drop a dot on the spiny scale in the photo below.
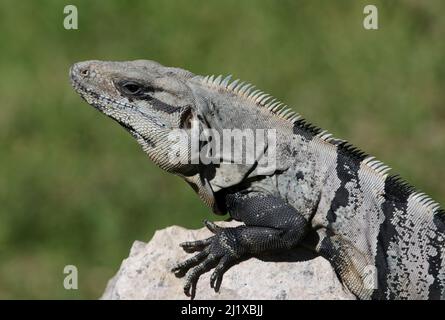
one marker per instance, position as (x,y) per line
(281,110)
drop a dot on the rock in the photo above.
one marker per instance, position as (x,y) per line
(145,274)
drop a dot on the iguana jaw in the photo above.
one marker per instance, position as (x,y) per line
(102,103)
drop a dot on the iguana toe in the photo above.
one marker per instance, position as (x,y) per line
(219,251)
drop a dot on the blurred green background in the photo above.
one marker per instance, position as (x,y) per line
(75,188)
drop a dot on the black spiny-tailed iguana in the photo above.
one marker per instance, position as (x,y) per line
(368,224)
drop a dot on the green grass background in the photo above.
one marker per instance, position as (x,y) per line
(76,189)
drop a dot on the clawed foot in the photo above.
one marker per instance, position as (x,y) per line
(219,251)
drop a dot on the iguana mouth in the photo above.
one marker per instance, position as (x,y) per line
(101,101)
(85,92)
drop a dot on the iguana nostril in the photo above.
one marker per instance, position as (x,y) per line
(84,72)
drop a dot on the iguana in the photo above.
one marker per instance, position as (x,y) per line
(384,239)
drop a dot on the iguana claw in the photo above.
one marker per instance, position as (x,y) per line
(219,252)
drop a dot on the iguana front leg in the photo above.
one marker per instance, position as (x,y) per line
(270,225)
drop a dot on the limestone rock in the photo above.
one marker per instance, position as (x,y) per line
(145,274)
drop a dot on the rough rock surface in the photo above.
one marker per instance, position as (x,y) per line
(145,274)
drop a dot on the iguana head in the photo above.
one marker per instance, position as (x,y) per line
(146,98)
(152,101)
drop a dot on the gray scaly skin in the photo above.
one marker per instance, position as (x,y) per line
(383,239)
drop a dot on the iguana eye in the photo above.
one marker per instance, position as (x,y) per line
(131,88)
